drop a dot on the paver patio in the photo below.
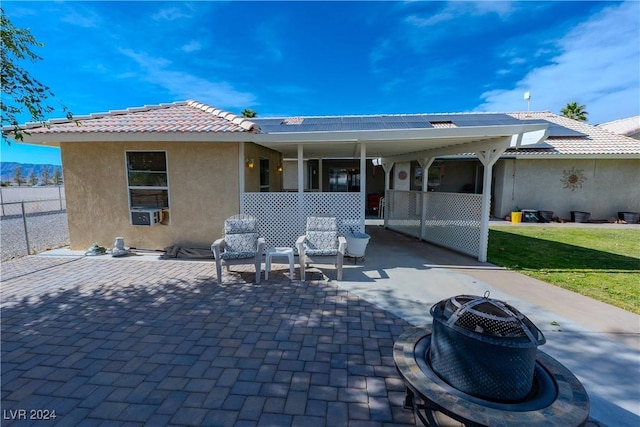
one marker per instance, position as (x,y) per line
(128,342)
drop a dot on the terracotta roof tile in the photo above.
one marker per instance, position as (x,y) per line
(628,126)
(186,116)
(597,140)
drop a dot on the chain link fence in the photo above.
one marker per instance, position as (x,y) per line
(31,226)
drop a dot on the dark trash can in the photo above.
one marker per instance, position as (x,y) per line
(629,217)
(579,216)
(545,216)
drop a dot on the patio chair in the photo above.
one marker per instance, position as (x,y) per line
(240,245)
(321,241)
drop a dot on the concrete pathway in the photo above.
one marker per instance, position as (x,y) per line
(599,343)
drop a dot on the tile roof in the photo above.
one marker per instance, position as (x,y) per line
(628,126)
(596,141)
(186,116)
(566,136)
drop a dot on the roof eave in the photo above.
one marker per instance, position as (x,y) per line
(55,139)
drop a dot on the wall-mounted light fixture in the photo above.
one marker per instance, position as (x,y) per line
(280,167)
(249,163)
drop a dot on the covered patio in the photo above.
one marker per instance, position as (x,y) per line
(453,220)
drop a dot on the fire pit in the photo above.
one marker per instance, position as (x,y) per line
(479,365)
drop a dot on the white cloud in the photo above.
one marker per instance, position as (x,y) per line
(84,18)
(169,14)
(598,65)
(192,46)
(184,85)
(266,37)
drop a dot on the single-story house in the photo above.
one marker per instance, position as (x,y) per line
(171,173)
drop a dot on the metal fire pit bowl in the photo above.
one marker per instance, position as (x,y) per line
(557,398)
(484,347)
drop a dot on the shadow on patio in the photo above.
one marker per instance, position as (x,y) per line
(162,343)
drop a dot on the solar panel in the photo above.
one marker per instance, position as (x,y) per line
(556,130)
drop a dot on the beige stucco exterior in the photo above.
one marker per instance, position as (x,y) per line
(604,187)
(203,191)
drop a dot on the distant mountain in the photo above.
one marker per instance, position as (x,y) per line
(7,169)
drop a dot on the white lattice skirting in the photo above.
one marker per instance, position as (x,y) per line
(451,220)
(282,216)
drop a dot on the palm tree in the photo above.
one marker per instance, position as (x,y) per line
(249,113)
(575,111)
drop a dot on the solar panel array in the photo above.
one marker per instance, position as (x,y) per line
(400,121)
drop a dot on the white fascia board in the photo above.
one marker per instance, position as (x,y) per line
(54,139)
(396,134)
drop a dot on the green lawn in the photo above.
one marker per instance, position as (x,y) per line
(601,263)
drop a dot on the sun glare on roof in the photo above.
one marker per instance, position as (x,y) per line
(292,121)
(444,124)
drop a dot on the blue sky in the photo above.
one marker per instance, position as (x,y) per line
(332,58)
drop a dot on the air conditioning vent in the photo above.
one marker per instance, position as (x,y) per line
(146,217)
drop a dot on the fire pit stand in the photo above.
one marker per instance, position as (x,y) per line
(557,398)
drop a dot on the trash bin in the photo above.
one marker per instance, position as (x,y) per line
(579,216)
(516,217)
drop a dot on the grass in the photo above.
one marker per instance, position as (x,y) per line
(600,263)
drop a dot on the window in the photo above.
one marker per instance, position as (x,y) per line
(147,179)
(264,175)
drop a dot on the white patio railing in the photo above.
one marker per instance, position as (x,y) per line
(282,216)
(451,220)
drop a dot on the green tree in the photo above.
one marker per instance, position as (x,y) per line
(33,179)
(45,176)
(18,178)
(57,176)
(249,113)
(24,93)
(575,111)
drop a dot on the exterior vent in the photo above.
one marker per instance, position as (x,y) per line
(147,217)
(444,124)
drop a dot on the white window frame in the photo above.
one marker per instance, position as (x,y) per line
(140,187)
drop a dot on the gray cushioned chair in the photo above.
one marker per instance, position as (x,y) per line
(241,244)
(321,242)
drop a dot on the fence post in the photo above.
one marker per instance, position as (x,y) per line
(26,233)
(60,197)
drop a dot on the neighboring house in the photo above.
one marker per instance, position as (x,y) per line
(188,166)
(629,127)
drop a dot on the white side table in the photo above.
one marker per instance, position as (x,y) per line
(279,252)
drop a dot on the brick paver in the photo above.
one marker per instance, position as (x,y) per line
(125,341)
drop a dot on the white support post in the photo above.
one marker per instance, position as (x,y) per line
(387,167)
(488,158)
(425,164)
(241,179)
(363,184)
(300,181)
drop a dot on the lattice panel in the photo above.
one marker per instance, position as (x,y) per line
(344,206)
(282,216)
(404,212)
(453,220)
(278,218)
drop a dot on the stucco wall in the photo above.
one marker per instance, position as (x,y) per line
(603,187)
(252,176)
(203,191)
